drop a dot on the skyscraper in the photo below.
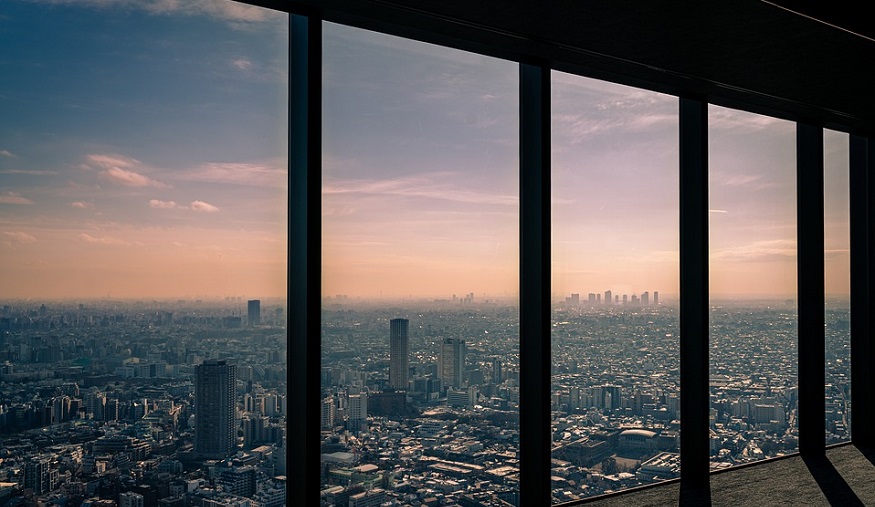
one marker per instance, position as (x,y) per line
(452,362)
(358,412)
(253,313)
(399,353)
(608,297)
(215,405)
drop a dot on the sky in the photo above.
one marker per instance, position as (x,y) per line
(143,154)
(420,182)
(143,149)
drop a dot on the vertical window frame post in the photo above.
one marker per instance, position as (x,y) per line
(305,253)
(535,358)
(861,182)
(694,374)
(810,290)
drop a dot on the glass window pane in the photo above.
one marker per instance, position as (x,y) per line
(615,383)
(143,239)
(837,245)
(753,339)
(420,327)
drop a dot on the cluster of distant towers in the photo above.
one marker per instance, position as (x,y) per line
(596,299)
(451,365)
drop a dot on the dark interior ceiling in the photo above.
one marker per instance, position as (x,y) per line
(749,54)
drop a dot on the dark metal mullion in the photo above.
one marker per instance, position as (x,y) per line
(810,289)
(861,167)
(535,357)
(695,399)
(305,254)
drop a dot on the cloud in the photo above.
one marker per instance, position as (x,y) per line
(131,178)
(82,204)
(108,161)
(759,251)
(418,186)
(7,153)
(103,240)
(203,206)
(14,198)
(741,180)
(242,63)
(31,173)
(118,169)
(237,14)
(20,237)
(156,203)
(241,174)
(723,118)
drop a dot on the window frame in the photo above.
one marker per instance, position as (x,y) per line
(305,253)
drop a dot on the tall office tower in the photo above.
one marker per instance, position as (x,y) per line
(215,433)
(95,402)
(608,297)
(130,499)
(496,371)
(452,362)
(253,313)
(645,298)
(399,354)
(625,298)
(656,297)
(328,412)
(358,412)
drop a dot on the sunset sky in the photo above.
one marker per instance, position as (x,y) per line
(421,193)
(143,154)
(143,149)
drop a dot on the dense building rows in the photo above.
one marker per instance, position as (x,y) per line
(615,397)
(98,403)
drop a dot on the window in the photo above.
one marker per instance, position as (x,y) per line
(143,238)
(838,291)
(753,252)
(420,323)
(615,384)
(754,386)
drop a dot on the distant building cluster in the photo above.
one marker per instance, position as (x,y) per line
(594,298)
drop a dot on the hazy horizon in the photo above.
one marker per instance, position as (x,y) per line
(143,156)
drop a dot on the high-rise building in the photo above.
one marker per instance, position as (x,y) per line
(608,297)
(130,499)
(253,313)
(656,297)
(399,353)
(452,362)
(37,477)
(496,371)
(358,412)
(215,405)
(645,298)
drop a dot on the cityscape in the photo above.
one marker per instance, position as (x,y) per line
(153,403)
(421,399)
